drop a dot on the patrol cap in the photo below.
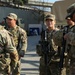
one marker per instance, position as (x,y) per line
(71,10)
(68,18)
(50,16)
(12,16)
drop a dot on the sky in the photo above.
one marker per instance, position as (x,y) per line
(52,1)
(47,9)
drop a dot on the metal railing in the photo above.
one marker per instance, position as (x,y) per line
(42,4)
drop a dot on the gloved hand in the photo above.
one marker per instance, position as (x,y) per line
(21,53)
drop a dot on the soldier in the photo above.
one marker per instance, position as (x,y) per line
(53,60)
(71,14)
(20,39)
(69,37)
(8,52)
(68,60)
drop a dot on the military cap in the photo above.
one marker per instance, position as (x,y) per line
(68,18)
(71,10)
(50,16)
(12,16)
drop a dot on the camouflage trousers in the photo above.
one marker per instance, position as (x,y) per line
(16,71)
(7,71)
(52,68)
(5,66)
(69,66)
(70,70)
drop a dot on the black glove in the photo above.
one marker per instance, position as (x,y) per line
(21,53)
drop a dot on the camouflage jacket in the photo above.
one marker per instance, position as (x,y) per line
(52,45)
(6,44)
(20,38)
(70,41)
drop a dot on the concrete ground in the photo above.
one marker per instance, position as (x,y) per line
(30,62)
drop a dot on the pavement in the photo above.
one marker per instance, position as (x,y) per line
(30,62)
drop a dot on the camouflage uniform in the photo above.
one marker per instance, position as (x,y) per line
(69,49)
(20,39)
(53,61)
(71,14)
(49,61)
(8,52)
